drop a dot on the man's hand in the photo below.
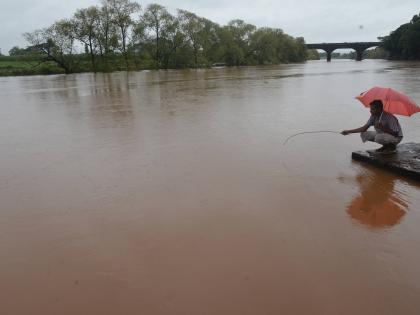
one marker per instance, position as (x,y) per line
(345,132)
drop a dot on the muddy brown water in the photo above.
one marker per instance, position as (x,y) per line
(171,192)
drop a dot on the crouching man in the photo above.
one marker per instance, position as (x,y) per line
(387,128)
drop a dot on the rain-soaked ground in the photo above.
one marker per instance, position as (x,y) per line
(171,192)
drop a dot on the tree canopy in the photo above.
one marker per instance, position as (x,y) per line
(404,42)
(119,35)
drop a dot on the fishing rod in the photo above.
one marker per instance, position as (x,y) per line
(320,131)
(304,132)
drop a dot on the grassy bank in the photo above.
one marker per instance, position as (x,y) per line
(14,66)
(30,65)
(35,64)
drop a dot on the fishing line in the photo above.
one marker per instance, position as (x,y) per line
(288,170)
(301,133)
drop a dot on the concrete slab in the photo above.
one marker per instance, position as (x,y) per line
(405,161)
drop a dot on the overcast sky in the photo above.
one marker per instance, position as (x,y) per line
(315,20)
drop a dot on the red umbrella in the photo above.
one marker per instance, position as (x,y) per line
(394,101)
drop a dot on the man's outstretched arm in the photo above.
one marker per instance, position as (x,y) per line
(357,130)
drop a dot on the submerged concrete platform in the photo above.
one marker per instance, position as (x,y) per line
(405,161)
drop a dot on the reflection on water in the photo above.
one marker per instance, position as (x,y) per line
(377,205)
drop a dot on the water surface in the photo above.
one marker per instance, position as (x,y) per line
(171,192)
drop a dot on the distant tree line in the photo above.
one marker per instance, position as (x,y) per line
(404,42)
(119,35)
(376,53)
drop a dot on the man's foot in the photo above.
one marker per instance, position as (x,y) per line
(392,147)
(383,148)
(387,148)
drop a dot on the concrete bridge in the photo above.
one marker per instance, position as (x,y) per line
(359,47)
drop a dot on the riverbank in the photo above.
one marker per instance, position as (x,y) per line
(20,68)
(36,65)
(25,66)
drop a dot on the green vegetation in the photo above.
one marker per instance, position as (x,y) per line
(313,54)
(118,35)
(22,65)
(377,53)
(404,42)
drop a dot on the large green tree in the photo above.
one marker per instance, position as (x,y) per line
(86,30)
(404,42)
(107,33)
(193,27)
(157,19)
(122,11)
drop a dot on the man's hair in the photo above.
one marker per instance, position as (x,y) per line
(377,104)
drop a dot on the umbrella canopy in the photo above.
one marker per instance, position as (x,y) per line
(394,102)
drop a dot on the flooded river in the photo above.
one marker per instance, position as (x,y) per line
(171,192)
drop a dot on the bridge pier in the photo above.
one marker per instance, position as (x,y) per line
(329,54)
(359,54)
